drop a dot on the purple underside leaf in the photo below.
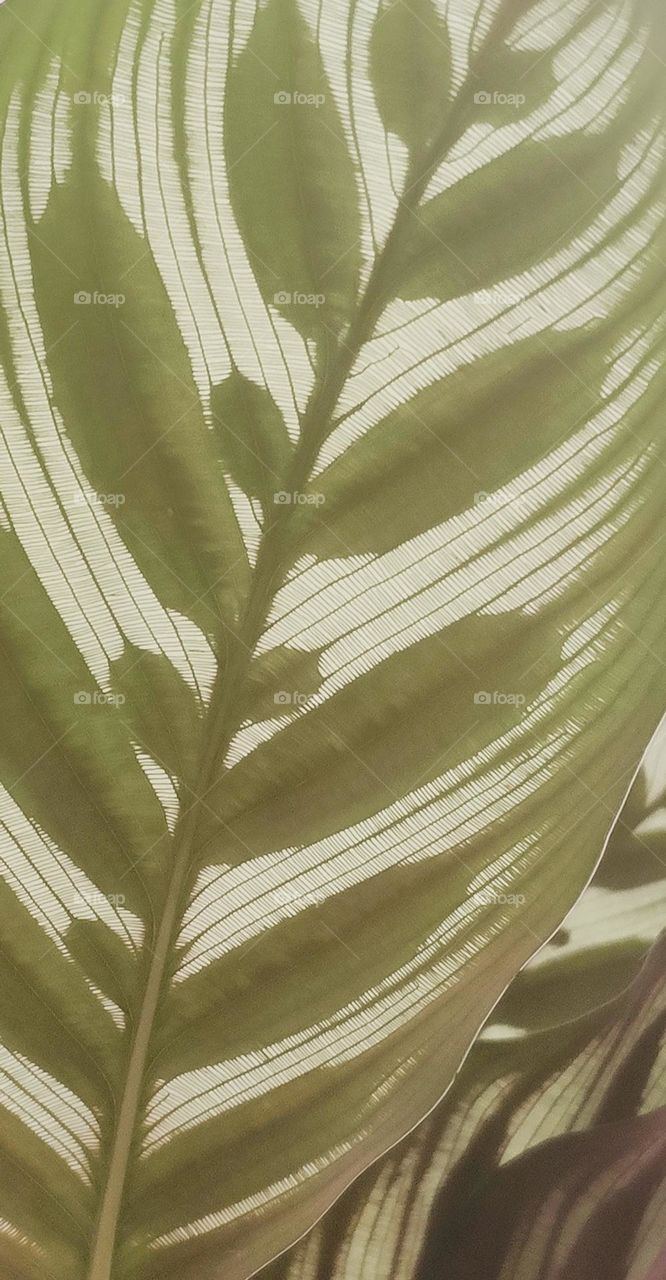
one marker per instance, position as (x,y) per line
(571,1209)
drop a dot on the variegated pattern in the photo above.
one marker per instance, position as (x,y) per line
(332,472)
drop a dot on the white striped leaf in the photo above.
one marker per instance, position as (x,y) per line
(331,524)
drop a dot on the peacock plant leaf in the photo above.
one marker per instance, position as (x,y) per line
(331,480)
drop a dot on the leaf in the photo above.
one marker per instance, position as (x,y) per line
(330,631)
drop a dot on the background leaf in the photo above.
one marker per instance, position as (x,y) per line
(494,1181)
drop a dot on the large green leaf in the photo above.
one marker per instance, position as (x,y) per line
(332,475)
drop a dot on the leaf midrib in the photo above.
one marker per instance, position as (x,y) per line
(273,557)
